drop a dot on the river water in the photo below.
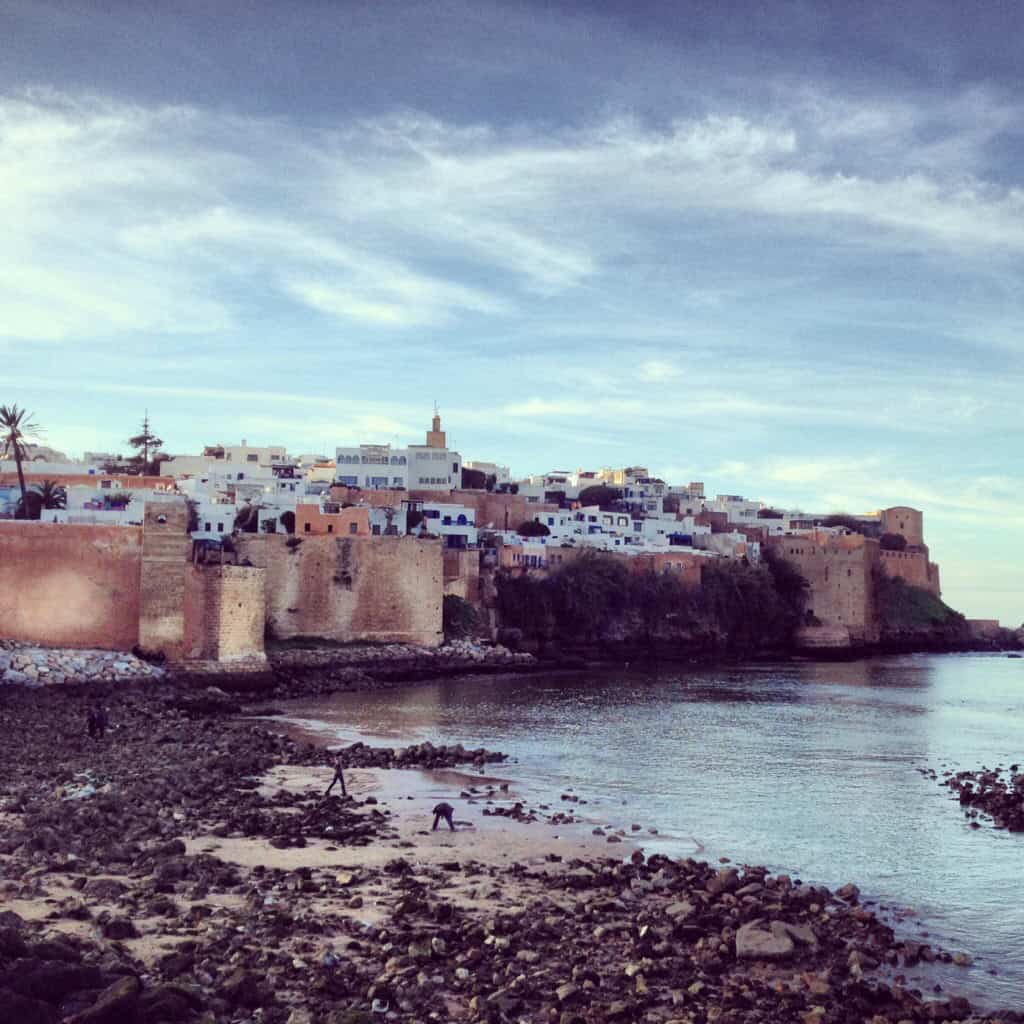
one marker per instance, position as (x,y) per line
(804,767)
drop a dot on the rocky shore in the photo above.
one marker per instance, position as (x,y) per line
(187,868)
(996,793)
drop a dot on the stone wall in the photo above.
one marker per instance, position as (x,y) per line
(838,569)
(350,588)
(70,586)
(913,567)
(24,665)
(499,511)
(462,574)
(166,547)
(225,613)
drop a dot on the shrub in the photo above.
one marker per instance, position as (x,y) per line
(473,479)
(460,617)
(600,494)
(532,528)
(893,542)
(287,520)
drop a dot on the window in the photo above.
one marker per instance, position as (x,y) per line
(455,467)
(330,527)
(375,529)
(353,527)
(397,481)
(209,527)
(252,458)
(305,527)
(106,484)
(220,527)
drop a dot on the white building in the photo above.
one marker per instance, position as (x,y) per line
(372,467)
(419,467)
(456,524)
(501,474)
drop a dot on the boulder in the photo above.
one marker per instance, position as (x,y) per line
(116,1004)
(756,942)
(24,1010)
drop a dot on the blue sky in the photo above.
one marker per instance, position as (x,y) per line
(777,248)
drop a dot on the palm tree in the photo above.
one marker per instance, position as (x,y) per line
(50,495)
(15,424)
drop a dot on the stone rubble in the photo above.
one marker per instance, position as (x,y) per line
(23,665)
(639,939)
(997,793)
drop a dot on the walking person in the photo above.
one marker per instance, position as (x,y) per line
(338,777)
(96,721)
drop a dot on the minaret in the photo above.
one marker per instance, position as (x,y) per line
(436,437)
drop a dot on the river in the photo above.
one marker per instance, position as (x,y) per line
(805,767)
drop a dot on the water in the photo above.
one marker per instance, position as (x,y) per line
(807,768)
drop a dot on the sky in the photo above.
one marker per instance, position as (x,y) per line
(778,248)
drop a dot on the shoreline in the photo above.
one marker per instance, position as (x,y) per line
(215,837)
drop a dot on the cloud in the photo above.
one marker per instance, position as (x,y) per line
(121,217)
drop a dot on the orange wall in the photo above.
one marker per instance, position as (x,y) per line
(124,480)
(70,586)
(339,523)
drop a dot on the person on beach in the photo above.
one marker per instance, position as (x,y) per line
(338,777)
(444,810)
(96,722)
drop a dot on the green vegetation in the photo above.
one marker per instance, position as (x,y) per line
(48,494)
(145,443)
(287,520)
(15,425)
(532,528)
(596,597)
(892,542)
(460,618)
(600,494)
(902,607)
(473,479)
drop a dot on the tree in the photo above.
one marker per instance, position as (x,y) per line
(459,617)
(15,425)
(247,519)
(769,513)
(532,528)
(287,520)
(473,479)
(600,494)
(491,481)
(48,494)
(144,443)
(893,542)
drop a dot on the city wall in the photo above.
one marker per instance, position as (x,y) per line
(224,613)
(385,589)
(70,586)
(838,569)
(913,567)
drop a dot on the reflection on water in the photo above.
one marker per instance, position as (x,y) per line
(805,767)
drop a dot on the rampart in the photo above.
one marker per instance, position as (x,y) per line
(838,569)
(70,586)
(913,567)
(385,589)
(225,609)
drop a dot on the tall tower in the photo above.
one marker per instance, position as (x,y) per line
(436,437)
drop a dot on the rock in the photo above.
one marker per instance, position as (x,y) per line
(567,992)
(242,988)
(680,910)
(119,928)
(726,880)
(849,892)
(168,1003)
(18,1009)
(12,945)
(104,888)
(115,1005)
(754,942)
